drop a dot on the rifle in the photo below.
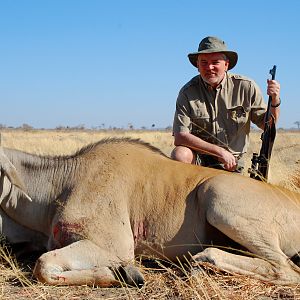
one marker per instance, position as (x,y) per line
(260,163)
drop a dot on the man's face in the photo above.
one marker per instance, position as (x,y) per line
(212,67)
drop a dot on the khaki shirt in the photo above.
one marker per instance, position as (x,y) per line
(220,116)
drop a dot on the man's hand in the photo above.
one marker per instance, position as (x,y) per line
(273,90)
(229,161)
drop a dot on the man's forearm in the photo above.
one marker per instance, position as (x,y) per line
(188,140)
(275,111)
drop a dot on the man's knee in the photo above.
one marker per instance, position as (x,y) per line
(183,154)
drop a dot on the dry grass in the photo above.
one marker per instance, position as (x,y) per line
(162,282)
(53,142)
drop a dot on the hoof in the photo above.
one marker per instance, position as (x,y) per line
(296,259)
(131,276)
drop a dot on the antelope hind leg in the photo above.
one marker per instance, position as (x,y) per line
(251,266)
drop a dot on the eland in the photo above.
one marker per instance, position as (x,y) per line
(94,211)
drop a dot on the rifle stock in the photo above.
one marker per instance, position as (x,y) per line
(260,163)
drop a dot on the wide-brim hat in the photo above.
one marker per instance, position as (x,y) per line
(212,44)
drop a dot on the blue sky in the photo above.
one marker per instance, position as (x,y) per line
(66,63)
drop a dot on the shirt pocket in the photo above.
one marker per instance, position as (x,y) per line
(201,124)
(238,115)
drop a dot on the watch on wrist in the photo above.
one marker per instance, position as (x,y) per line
(276,105)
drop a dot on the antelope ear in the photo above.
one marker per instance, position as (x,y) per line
(11,172)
